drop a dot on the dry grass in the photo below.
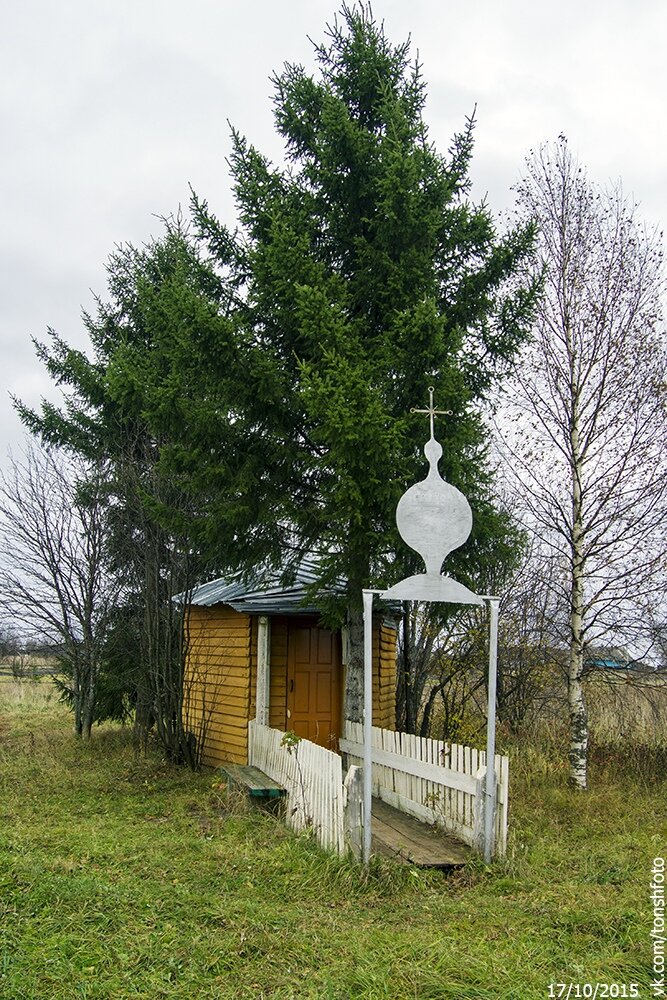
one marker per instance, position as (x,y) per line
(622,707)
(25,694)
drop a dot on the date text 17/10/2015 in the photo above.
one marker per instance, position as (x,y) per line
(592,991)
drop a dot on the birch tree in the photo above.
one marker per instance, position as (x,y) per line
(584,424)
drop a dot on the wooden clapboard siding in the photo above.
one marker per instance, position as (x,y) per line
(384,675)
(219,688)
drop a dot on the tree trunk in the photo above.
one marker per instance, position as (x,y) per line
(88,707)
(89,693)
(410,696)
(77,697)
(578,752)
(354,677)
(425,728)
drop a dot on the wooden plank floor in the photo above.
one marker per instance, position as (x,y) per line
(406,839)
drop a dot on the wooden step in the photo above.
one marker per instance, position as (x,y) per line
(257,784)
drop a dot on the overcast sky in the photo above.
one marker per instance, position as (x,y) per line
(110,109)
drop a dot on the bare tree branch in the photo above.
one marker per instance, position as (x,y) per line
(53,578)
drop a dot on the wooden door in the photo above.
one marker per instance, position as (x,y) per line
(314,683)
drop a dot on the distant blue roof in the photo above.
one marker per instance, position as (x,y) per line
(609,664)
(263,593)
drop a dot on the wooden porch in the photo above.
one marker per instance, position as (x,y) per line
(395,834)
(429,797)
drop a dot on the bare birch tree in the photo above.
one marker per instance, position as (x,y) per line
(584,422)
(52,570)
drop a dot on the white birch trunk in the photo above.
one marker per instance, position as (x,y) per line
(578,749)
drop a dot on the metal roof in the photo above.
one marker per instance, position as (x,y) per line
(263,593)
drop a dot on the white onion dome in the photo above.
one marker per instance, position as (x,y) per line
(433,517)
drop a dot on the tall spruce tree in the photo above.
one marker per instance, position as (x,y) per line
(360,275)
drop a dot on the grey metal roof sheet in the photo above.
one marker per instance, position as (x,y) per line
(262,592)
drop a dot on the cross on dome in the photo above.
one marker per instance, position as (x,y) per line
(432,412)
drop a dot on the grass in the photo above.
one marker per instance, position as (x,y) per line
(122,876)
(623,708)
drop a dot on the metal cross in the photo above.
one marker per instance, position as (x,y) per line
(431,411)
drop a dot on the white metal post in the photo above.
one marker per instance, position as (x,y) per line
(490,803)
(368,720)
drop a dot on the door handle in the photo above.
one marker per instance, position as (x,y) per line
(291,686)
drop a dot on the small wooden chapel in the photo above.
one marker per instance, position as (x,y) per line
(255,650)
(261,663)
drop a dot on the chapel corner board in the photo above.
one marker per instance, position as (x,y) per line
(238,636)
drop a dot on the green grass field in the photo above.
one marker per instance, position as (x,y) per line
(122,876)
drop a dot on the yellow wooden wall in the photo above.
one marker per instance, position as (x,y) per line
(221,679)
(218,689)
(384,675)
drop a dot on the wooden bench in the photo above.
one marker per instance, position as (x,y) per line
(257,784)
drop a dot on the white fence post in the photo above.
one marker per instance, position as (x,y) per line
(368,719)
(263,671)
(479,812)
(353,810)
(490,804)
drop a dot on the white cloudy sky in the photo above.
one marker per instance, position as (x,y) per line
(109,109)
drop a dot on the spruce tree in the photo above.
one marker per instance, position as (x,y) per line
(256,405)
(360,274)
(126,406)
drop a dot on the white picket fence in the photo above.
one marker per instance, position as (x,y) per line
(313,777)
(434,781)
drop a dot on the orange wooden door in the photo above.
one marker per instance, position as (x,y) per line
(314,683)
